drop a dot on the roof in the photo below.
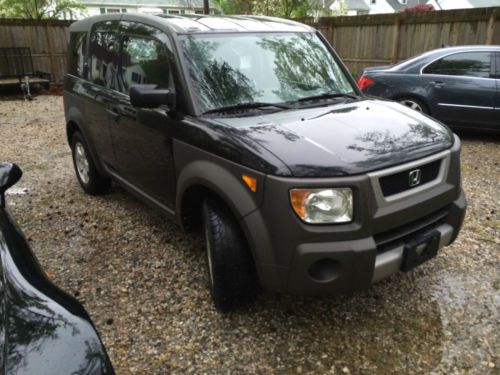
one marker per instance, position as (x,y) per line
(424,58)
(357,5)
(151,3)
(202,23)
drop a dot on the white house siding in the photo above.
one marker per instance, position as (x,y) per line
(380,6)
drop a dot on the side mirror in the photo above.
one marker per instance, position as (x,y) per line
(148,96)
(9,175)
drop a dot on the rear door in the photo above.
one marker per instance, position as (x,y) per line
(462,88)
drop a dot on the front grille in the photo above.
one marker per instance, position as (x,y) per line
(399,182)
(400,235)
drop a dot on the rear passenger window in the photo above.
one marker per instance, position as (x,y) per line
(144,61)
(76,58)
(103,51)
(471,64)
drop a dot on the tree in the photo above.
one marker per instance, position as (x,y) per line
(419,8)
(40,9)
(281,8)
(319,8)
(236,6)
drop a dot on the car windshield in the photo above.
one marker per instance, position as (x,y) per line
(231,69)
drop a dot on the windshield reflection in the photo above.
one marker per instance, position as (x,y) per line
(228,70)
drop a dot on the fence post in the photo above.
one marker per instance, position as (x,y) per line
(491,26)
(395,38)
(50,44)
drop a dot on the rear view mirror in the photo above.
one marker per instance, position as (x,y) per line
(148,96)
(9,175)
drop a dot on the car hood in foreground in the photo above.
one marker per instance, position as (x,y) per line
(344,139)
(43,330)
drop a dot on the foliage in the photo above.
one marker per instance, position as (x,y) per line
(419,8)
(281,8)
(236,6)
(318,8)
(39,9)
(284,8)
(276,8)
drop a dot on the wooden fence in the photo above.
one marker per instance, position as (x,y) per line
(361,41)
(371,40)
(48,40)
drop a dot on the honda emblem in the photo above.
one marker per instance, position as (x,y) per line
(414,177)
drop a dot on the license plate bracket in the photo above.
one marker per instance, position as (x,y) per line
(420,250)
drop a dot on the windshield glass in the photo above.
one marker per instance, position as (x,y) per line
(228,70)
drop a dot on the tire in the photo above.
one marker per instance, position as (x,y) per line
(86,172)
(231,270)
(415,104)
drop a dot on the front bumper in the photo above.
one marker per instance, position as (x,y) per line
(294,257)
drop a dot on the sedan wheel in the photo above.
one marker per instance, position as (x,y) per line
(413,104)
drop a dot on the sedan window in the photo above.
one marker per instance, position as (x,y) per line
(471,64)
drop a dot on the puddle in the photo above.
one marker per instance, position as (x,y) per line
(469,307)
(17,191)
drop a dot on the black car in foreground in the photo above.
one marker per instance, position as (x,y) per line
(459,86)
(252,129)
(43,330)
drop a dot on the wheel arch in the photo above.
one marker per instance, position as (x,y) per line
(202,178)
(75,123)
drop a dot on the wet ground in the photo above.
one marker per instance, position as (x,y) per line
(144,282)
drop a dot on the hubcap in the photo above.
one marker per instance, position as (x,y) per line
(209,257)
(413,105)
(82,163)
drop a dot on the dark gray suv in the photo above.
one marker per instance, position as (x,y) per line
(252,130)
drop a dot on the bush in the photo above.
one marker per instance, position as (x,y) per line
(419,8)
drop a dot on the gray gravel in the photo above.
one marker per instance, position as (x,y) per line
(144,283)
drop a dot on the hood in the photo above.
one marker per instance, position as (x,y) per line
(343,139)
(47,331)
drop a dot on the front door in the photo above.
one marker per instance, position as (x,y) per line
(463,88)
(496,125)
(98,90)
(142,137)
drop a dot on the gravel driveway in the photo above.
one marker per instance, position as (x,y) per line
(143,281)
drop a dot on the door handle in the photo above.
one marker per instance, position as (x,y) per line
(438,84)
(114,114)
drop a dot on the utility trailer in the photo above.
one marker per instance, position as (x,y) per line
(16,70)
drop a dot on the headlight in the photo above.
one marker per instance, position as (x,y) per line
(323,206)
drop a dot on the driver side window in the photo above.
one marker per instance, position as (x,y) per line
(144,61)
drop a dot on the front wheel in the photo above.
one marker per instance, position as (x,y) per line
(89,178)
(414,104)
(231,269)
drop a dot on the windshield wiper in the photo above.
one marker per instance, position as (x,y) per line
(327,95)
(243,106)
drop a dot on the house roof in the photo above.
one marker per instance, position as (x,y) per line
(150,3)
(357,5)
